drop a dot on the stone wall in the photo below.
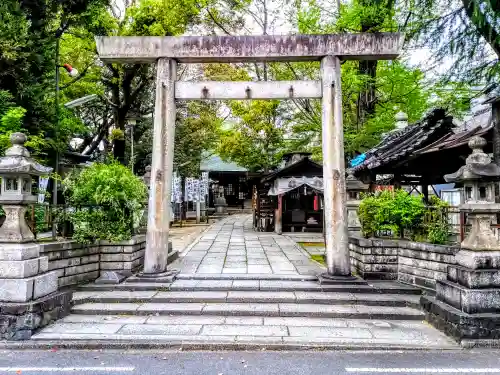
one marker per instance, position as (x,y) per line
(414,263)
(373,258)
(125,257)
(18,321)
(76,263)
(422,264)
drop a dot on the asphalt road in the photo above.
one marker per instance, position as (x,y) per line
(248,363)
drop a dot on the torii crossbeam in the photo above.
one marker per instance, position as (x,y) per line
(330,49)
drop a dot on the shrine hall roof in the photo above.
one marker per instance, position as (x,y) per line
(214,163)
(399,144)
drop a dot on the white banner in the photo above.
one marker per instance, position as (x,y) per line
(196,190)
(176,195)
(42,188)
(204,178)
(189,189)
(284,185)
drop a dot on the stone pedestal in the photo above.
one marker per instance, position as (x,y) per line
(15,229)
(24,275)
(28,291)
(18,321)
(467,303)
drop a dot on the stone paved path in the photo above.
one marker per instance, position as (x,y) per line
(231,246)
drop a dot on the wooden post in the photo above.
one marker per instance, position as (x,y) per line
(278,225)
(156,255)
(337,250)
(198,211)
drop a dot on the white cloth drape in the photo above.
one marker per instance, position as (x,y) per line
(284,185)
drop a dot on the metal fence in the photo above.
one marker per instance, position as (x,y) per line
(48,221)
(455,219)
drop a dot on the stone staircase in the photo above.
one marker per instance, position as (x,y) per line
(227,311)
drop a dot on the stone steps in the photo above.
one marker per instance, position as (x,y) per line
(230,332)
(250,309)
(245,276)
(257,285)
(241,332)
(227,312)
(326,298)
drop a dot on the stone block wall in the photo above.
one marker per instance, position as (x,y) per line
(18,321)
(422,264)
(414,263)
(125,257)
(76,263)
(373,258)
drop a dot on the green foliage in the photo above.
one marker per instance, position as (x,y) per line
(464,35)
(387,210)
(106,199)
(28,34)
(399,211)
(254,134)
(436,224)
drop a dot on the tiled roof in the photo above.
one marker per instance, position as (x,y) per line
(452,140)
(399,144)
(214,163)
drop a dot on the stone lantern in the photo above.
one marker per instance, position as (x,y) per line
(23,273)
(354,189)
(16,171)
(467,302)
(478,176)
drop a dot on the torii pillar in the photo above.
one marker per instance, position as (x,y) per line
(330,49)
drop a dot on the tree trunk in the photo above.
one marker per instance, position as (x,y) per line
(119,143)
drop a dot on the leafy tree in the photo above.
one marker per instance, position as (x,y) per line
(128,89)
(197,130)
(464,33)
(107,201)
(28,35)
(372,95)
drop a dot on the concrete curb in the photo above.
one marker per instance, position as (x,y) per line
(214,346)
(471,344)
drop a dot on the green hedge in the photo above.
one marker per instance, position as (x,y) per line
(399,212)
(106,202)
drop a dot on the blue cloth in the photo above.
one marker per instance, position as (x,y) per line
(357,160)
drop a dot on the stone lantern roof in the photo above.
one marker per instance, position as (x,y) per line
(352,183)
(478,165)
(17,159)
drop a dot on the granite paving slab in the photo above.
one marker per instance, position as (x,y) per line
(232,244)
(250,330)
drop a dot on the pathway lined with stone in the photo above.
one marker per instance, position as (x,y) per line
(244,289)
(231,246)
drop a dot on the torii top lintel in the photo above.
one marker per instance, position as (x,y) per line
(200,49)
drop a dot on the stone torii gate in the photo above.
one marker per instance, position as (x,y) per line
(166,52)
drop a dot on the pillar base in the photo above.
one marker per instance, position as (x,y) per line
(162,277)
(327,279)
(112,277)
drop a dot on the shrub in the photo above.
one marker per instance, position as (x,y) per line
(105,200)
(437,226)
(398,211)
(387,210)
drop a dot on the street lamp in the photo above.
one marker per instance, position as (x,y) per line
(73,73)
(132,118)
